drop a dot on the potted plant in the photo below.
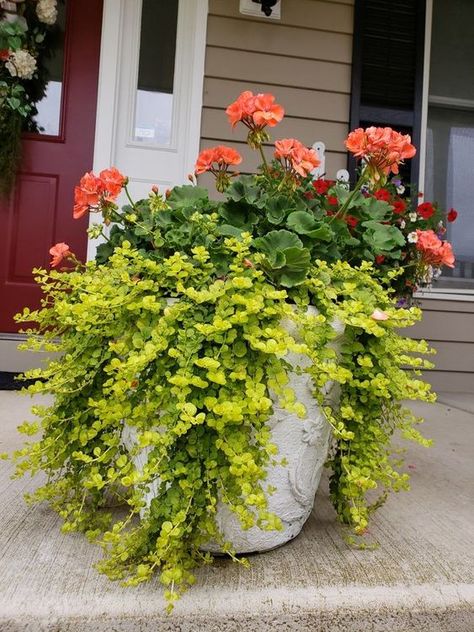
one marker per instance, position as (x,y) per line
(205,328)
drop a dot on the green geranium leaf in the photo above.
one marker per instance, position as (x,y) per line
(376,210)
(187,195)
(240,215)
(277,240)
(230,231)
(296,267)
(276,209)
(304,224)
(245,189)
(382,237)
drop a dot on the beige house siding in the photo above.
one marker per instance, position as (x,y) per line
(449,326)
(304,59)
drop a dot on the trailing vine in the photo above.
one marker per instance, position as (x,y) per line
(192,379)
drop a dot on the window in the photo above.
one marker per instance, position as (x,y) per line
(449,162)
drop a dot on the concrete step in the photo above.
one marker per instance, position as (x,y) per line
(420,579)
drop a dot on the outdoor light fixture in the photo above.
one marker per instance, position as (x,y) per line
(267,6)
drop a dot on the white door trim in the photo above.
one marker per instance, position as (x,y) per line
(192,34)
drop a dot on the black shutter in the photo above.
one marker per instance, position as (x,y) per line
(387,69)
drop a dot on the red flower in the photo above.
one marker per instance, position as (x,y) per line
(322,186)
(425,210)
(382,195)
(309,195)
(332,200)
(59,252)
(399,207)
(379,259)
(452,215)
(4,54)
(352,221)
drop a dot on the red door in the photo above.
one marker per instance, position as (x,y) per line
(38,213)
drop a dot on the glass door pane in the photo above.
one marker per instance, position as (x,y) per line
(154,98)
(49,86)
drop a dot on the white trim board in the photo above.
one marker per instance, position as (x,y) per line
(164,166)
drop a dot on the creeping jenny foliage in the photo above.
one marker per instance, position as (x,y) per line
(192,377)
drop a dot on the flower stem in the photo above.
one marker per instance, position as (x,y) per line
(342,211)
(264,160)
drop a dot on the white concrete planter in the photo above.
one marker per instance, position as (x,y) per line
(303,443)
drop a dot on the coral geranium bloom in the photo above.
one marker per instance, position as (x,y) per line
(87,194)
(434,251)
(255,111)
(381,147)
(217,159)
(295,156)
(59,252)
(205,160)
(267,112)
(242,107)
(112,181)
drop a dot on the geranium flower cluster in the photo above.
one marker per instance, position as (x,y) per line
(255,111)
(295,157)
(96,192)
(217,161)
(59,252)
(433,251)
(381,148)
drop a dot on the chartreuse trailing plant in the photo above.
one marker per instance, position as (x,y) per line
(174,350)
(192,377)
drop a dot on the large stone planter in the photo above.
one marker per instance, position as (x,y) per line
(304,443)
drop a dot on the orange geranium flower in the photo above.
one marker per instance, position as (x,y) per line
(295,157)
(59,252)
(434,251)
(112,181)
(217,161)
(255,111)
(87,194)
(382,148)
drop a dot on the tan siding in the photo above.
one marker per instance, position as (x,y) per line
(277,69)
(310,104)
(450,381)
(449,326)
(231,33)
(214,125)
(304,59)
(326,16)
(444,326)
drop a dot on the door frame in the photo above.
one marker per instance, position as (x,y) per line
(195,29)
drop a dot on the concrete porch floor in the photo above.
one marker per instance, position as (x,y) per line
(420,579)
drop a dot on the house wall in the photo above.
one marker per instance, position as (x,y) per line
(449,326)
(304,59)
